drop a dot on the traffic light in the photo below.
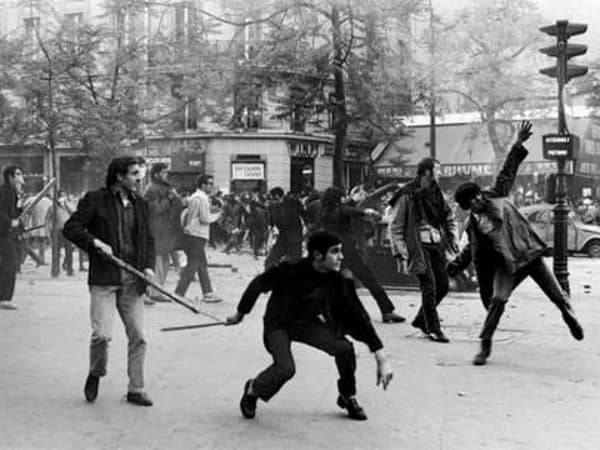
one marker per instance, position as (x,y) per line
(563,51)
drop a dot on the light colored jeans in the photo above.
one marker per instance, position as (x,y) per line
(130,306)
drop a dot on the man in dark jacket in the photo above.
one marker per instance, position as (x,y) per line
(310,303)
(505,248)
(9,239)
(422,228)
(165,207)
(339,218)
(286,213)
(114,221)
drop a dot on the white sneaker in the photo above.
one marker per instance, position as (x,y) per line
(7,305)
(211,298)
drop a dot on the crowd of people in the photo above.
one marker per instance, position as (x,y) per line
(133,230)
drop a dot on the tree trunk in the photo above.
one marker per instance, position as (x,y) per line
(499,150)
(340,115)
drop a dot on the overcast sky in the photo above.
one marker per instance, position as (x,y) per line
(582,11)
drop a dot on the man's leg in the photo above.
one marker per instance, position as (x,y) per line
(270,381)
(68,261)
(9,265)
(203,276)
(354,261)
(131,309)
(294,251)
(275,254)
(319,336)
(503,285)
(438,267)
(427,318)
(543,276)
(191,248)
(161,267)
(102,309)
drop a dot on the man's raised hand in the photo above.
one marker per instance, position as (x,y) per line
(524,131)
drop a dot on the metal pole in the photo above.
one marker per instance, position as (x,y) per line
(561,209)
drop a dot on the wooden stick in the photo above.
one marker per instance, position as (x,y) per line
(36,199)
(170,295)
(190,327)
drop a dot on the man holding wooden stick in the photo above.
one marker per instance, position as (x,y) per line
(114,221)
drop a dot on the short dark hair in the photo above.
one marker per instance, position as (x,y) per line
(119,166)
(321,241)
(276,192)
(203,179)
(426,164)
(9,171)
(465,193)
(157,168)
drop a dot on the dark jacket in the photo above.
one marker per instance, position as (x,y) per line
(291,285)
(513,241)
(339,220)
(8,208)
(165,216)
(404,226)
(96,217)
(287,216)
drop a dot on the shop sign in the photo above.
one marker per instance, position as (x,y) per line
(482,169)
(150,160)
(247,171)
(303,149)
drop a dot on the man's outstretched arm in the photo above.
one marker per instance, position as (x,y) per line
(506,178)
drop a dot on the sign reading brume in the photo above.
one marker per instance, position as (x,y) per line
(247,171)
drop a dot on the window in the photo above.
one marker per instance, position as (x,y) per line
(74,19)
(31,24)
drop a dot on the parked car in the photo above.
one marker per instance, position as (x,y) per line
(582,238)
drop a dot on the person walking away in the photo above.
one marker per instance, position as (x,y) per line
(286,214)
(195,236)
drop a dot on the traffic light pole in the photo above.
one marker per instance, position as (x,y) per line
(561,210)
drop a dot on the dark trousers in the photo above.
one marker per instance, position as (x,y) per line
(434,287)
(317,335)
(283,247)
(504,283)
(194,248)
(258,237)
(9,265)
(354,261)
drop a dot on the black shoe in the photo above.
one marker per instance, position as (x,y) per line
(573,324)
(392,317)
(139,398)
(248,402)
(438,336)
(350,404)
(91,387)
(484,353)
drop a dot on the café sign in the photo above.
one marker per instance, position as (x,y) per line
(247,171)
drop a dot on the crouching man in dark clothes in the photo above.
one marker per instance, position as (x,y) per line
(114,221)
(505,248)
(311,303)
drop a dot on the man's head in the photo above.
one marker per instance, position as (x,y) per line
(276,194)
(358,193)
(428,170)
(205,183)
(325,251)
(468,196)
(13,176)
(159,171)
(126,172)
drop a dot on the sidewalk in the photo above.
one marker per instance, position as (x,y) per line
(539,391)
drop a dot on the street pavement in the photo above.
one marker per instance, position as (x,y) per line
(539,391)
